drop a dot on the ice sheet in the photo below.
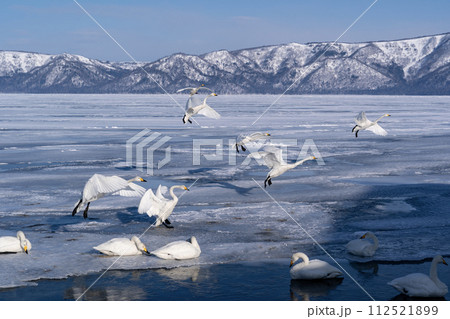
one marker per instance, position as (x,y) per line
(395,186)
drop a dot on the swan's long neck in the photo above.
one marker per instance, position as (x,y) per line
(204,101)
(303,256)
(375,240)
(376,121)
(433,271)
(194,242)
(174,197)
(130,181)
(301,162)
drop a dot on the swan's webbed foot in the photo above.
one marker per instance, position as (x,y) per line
(243,148)
(75,210)
(167,221)
(190,121)
(237,148)
(269,181)
(85,213)
(167,225)
(356,133)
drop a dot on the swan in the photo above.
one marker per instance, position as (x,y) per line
(159,206)
(273,159)
(362,123)
(244,139)
(362,246)
(312,269)
(122,247)
(193,107)
(99,185)
(421,285)
(18,244)
(179,250)
(194,90)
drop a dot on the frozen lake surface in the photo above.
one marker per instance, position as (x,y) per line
(395,186)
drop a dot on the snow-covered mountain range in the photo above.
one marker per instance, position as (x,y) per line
(410,66)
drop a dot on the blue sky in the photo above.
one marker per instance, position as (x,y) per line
(152,29)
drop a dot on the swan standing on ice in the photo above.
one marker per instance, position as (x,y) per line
(244,139)
(194,90)
(99,185)
(179,250)
(202,108)
(362,123)
(273,159)
(421,285)
(159,206)
(18,244)
(312,269)
(122,247)
(362,246)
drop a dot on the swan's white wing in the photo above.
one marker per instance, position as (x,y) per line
(148,201)
(362,120)
(181,90)
(133,190)
(209,112)
(274,155)
(99,184)
(271,160)
(193,101)
(377,129)
(160,191)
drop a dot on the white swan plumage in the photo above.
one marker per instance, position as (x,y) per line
(122,247)
(194,90)
(18,244)
(194,106)
(312,269)
(362,246)
(273,159)
(363,123)
(179,250)
(422,285)
(244,139)
(99,185)
(159,206)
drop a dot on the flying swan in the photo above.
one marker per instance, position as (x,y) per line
(194,107)
(362,246)
(179,250)
(273,159)
(159,206)
(421,285)
(362,123)
(244,139)
(18,244)
(99,185)
(312,269)
(194,90)
(122,247)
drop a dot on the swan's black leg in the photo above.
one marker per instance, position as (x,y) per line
(356,134)
(190,121)
(86,210)
(168,226)
(269,181)
(237,148)
(184,119)
(76,207)
(167,221)
(243,148)
(265,181)
(354,128)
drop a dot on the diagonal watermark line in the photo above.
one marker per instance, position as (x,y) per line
(129,55)
(118,258)
(315,241)
(307,68)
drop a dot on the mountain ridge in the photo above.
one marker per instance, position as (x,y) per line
(419,65)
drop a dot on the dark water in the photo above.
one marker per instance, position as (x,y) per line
(243,281)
